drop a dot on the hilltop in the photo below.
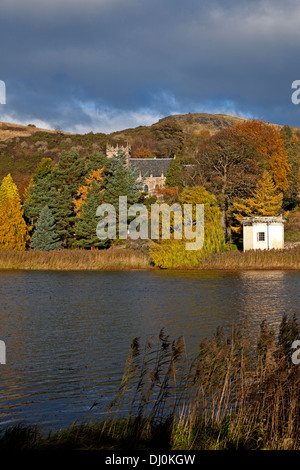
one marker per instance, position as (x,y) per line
(22,147)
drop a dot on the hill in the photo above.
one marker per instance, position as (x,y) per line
(22,147)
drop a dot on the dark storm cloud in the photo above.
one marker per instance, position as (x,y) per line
(81,63)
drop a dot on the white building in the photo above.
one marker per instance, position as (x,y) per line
(263,233)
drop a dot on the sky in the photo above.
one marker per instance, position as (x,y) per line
(107,65)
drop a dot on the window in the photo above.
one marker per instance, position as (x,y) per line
(146,188)
(261,236)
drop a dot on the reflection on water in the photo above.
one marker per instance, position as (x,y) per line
(67,334)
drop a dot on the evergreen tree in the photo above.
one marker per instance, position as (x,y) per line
(121,181)
(45,237)
(86,223)
(57,190)
(174,175)
(43,169)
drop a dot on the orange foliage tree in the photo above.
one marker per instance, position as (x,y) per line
(268,144)
(142,152)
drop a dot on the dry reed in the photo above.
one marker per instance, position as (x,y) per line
(237,393)
(113,258)
(253,259)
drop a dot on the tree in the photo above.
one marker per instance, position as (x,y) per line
(14,233)
(8,190)
(268,142)
(173,253)
(43,169)
(45,237)
(95,175)
(86,223)
(227,167)
(142,152)
(57,190)
(265,202)
(174,175)
(121,181)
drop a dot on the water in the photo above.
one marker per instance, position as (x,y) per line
(68,334)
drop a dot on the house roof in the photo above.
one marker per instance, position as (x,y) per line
(151,166)
(265,220)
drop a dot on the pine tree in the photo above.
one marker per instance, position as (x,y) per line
(13,229)
(57,190)
(45,237)
(86,223)
(95,175)
(121,182)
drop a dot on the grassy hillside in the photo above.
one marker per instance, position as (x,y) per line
(22,147)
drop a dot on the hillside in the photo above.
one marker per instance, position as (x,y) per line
(22,147)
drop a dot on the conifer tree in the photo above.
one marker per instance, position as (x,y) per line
(57,190)
(45,237)
(13,229)
(121,182)
(266,200)
(8,189)
(43,169)
(86,223)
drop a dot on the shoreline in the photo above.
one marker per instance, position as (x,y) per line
(126,259)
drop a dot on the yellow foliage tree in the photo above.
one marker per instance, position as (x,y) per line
(8,190)
(14,233)
(266,202)
(173,253)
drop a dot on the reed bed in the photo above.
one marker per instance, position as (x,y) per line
(238,393)
(253,259)
(113,258)
(122,258)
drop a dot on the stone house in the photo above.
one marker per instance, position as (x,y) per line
(263,233)
(151,171)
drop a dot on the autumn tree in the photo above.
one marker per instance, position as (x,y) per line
(170,253)
(142,152)
(266,201)
(226,167)
(8,190)
(268,142)
(14,233)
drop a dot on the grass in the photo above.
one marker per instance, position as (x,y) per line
(112,258)
(238,393)
(121,258)
(253,259)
